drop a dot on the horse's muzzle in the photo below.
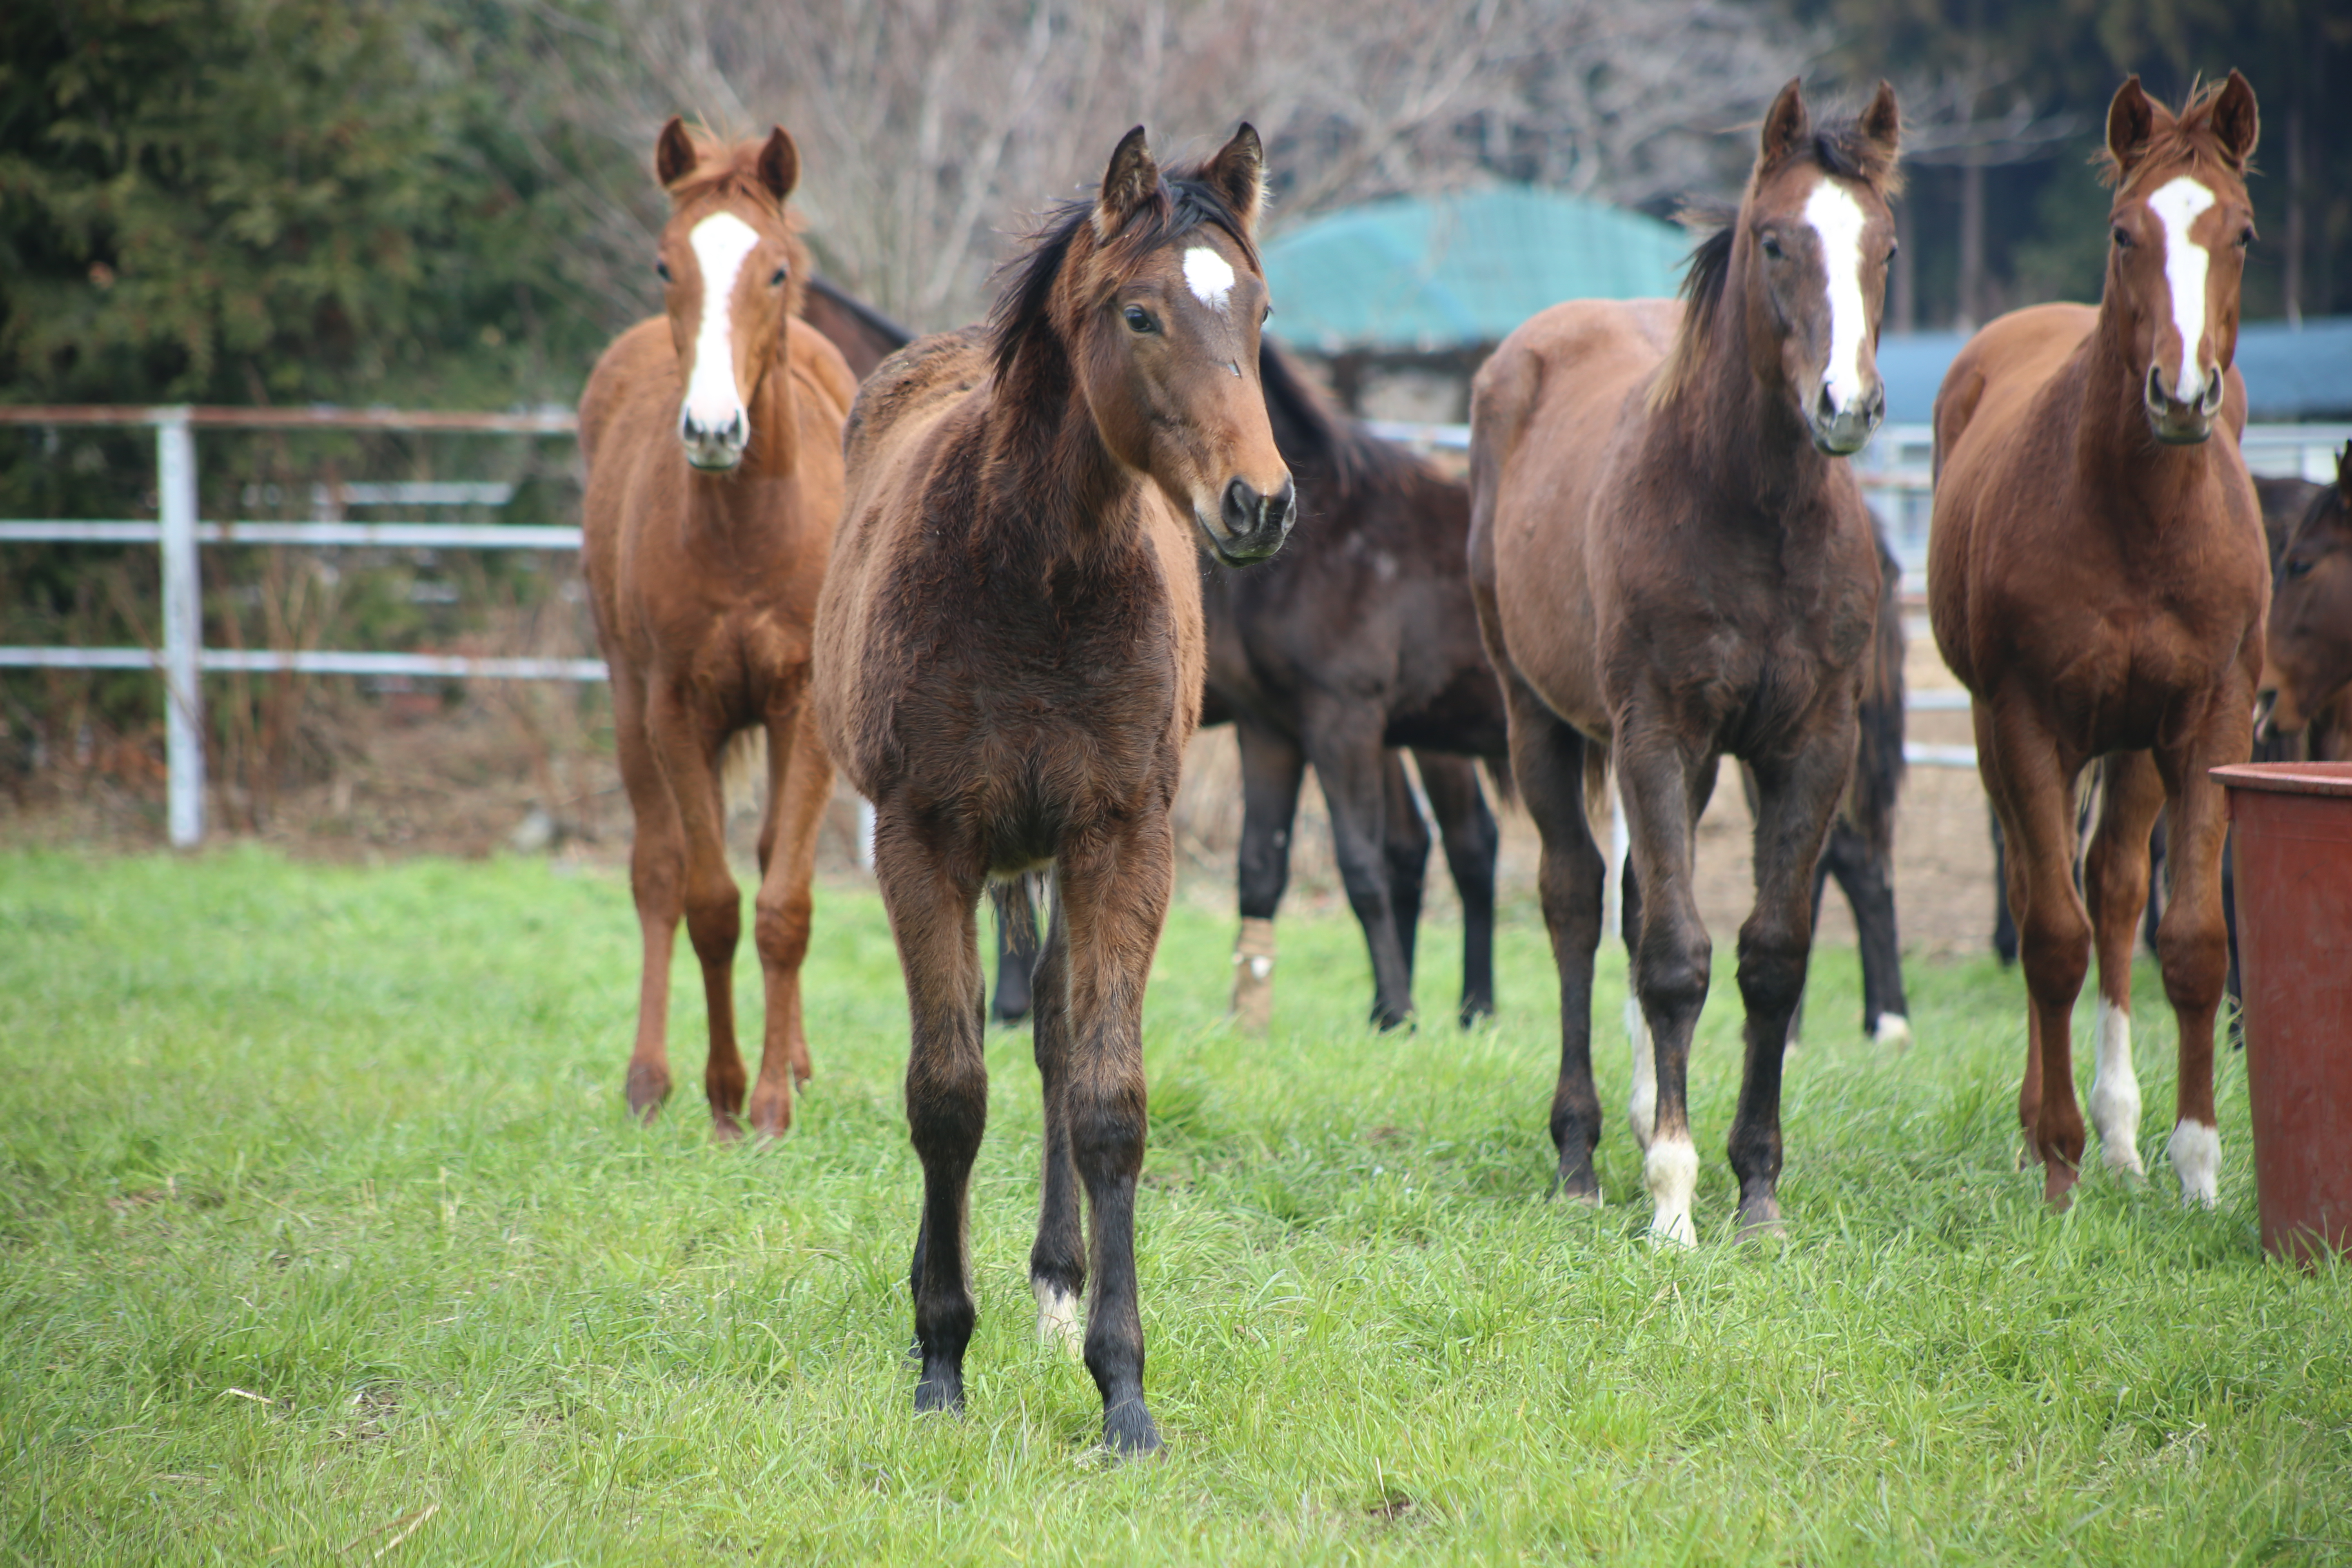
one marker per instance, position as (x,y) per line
(2178,424)
(714,450)
(1842,432)
(1250,526)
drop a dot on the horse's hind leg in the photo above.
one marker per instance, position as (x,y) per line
(934,917)
(1057,1262)
(656,881)
(688,742)
(1797,799)
(1866,876)
(1350,764)
(1272,768)
(1468,831)
(799,782)
(2115,884)
(2192,943)
(1111,901)
(1547,758)
(1405,846)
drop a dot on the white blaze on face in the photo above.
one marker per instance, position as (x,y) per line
(1209,276)
(720,243)
(1838,218)
(2176,206)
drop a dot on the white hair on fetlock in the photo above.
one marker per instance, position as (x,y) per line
(1892,1029)
(2114,1090)
(2196,1152)
(1057,1318)
(1642,1107)
(1670,1171)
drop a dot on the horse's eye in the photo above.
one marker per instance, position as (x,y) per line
(2123,240)
(2245,237)
(1892,251)
(2297,570)
(661,270)
(1772,247)
(1138,320)
(776,278)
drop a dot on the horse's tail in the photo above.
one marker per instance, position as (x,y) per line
(1500,779)
(741,765)
(1878,761)
(1017,900)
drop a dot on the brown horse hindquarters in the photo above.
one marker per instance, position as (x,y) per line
(2097,581)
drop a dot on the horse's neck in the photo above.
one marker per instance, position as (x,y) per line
(1744,443)
(2116,458)
(1052,491)
(740,504)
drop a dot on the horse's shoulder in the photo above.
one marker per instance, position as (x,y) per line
(638,359)
(2002,371)
(920,378)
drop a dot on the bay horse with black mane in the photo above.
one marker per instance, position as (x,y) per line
(2096,579)
(712,438)
(1673,564)
(1009,657)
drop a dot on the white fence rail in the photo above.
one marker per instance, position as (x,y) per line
(1894,473)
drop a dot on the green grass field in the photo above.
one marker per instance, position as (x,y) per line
(323,1239)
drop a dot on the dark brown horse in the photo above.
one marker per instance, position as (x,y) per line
(712,437)
(2309,648)
(2097,582)
(1359,638)
(1009,667)
(1673,564)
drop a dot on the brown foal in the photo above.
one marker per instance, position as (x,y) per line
(2097,580)
(712,437)
(1009,664)
(1673,564)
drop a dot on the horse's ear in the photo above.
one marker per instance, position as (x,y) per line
(1786,123)
(1882,123)
(1238,174)
(779,163)
(2131,121)
(1131,180)
(674,153)
(2235,122)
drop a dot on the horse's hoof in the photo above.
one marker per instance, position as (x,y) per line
(647,1087)
(941,1389)
(1759,1218)
(770,1120)
(725,1129)
(2058,1179)
(1387,1020)
(1128,1430)
(1579,1185)
(1472,1014)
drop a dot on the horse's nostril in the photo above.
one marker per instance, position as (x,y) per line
(1282,506)
(1237,509)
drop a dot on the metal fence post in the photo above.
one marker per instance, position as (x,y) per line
(183,693)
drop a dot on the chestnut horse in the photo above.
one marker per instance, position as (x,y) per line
(1008,657)
(1672,563)
(712,437)
(2096,580)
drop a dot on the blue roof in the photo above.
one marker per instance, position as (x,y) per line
(2290,375)
(1421,274)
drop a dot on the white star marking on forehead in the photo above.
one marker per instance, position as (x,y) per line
(1838,218)
(720,243)
(2176,206)
(1209,275)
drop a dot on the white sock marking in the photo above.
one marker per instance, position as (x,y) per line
(1670,1169)
(2114,1090)
(1892,1029)
(1057,1318)
(2196,1151)
(1209,275)
(1642,1108)
(1838,218)
(2176,206)
(720,242)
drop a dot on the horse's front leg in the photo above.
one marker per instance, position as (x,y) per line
(1797,798)
(657,881)
(799,782)
(933,908)
(1057,1262)
(1470,839)
(1663,790)
(2115,884)
(1405,846)
(1271,767)
(1111,901)
(688,740)
(2193,943)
